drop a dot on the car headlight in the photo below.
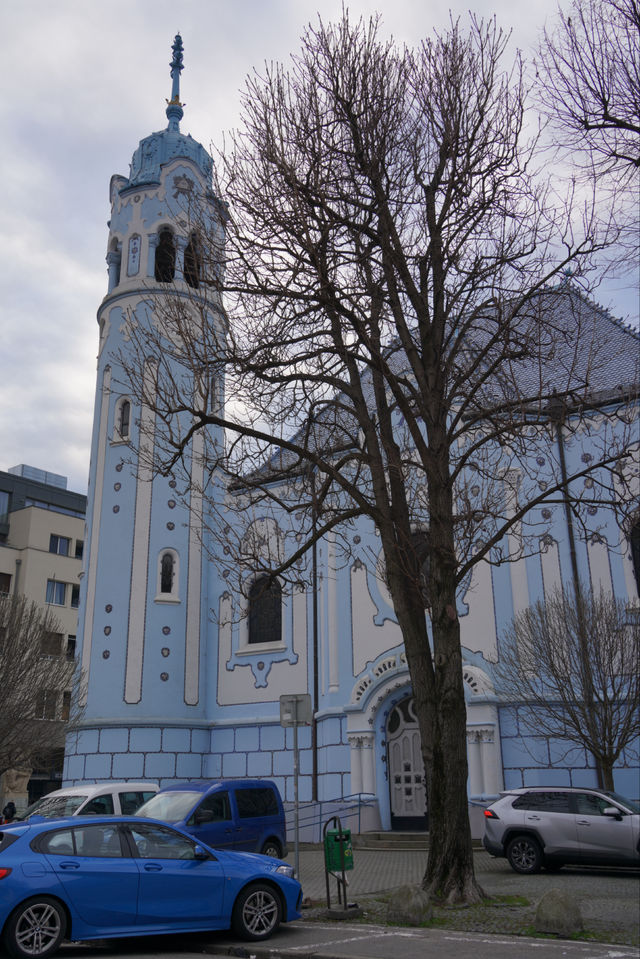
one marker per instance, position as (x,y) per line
(285,870)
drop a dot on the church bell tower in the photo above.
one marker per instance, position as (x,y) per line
(146,589)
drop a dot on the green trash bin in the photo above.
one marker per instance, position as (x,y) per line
(332,854)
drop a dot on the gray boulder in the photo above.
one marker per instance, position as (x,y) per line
(559,913)
(409,905)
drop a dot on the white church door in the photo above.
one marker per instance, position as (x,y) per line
(406,770)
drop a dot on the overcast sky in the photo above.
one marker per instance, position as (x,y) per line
(84,81)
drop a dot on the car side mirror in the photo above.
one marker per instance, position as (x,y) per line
(203,816)
(200,852)
(613,812)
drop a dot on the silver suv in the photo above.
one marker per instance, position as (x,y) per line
(550,826)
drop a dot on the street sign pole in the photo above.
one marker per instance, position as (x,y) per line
(295,710)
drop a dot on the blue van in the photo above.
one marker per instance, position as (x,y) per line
(243,814)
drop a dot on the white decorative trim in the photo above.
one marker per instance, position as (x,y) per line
(92,568)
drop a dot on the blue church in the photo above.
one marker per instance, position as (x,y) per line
(178,686)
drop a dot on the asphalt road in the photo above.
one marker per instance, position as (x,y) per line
(350,941)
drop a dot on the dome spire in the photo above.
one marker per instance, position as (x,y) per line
(174,107)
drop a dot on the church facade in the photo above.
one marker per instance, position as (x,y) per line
(178,685)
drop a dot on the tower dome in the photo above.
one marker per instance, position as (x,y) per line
(160,148)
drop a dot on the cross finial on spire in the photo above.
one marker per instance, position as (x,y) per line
(174,107)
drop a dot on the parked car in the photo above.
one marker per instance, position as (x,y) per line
(550,826)
(92,799)
(245,814)
(122,876)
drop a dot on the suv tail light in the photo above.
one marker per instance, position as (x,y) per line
(490,814)
(4,873)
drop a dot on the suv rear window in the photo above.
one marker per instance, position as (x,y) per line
(544,801)
(256,802)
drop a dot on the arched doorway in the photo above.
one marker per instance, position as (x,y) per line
(407,786)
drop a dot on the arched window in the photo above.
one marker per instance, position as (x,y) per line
(165,257)
(168,578)
(125,419)
(122,420)
(166,573)
(265,611)
(192,263)
(114,257)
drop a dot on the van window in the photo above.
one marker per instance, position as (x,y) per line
(256,802)
(218,807)
(130,801)
(98,806)
(53,806)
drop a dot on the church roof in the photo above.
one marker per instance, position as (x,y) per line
(579,352)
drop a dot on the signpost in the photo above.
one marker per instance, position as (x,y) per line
(295,710)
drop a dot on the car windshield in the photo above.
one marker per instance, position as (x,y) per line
(170,806)
(628,803)
(53,806)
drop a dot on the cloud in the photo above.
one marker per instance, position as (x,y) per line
(87,82)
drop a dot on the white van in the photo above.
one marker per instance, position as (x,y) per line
(92,799)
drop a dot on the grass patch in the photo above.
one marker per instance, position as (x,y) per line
(506,901)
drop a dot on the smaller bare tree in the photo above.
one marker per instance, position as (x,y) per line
(38,679)
(573,660)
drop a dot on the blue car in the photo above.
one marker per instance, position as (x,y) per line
(120,876)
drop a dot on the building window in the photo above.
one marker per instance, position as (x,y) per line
(4,505)
(168,579)
(192,262)
(66,706)
(56,592)
(165,257)
(79,548)
(71,647)
(51,644)
(59,544)
(166,573)
(5,582)
(75,596)
(122,429)
(265,611)
(45,703)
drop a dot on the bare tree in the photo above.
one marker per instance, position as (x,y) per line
(37,678)
(391,350)
(591,78)
(589,75)
(573,660)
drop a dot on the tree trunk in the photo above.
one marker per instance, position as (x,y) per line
(450,874)
(440,709)
(605,770)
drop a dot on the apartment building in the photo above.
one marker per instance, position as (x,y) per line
(41,547)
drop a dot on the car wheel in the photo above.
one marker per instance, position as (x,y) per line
(35,929)
(272,848)
(256,913)
(524,854)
